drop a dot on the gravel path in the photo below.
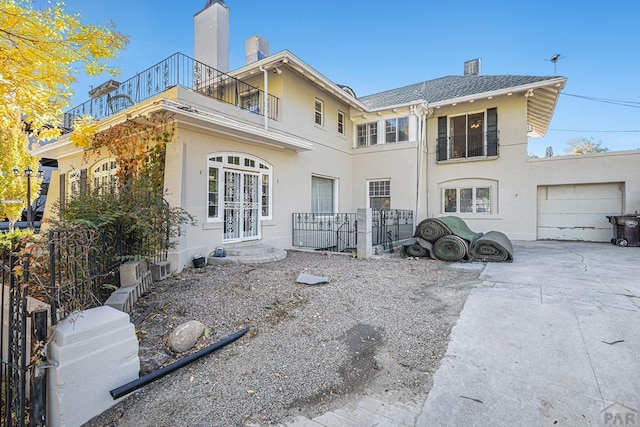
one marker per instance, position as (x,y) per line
(381,326)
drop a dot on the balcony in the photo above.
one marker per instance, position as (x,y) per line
(466,146)
(176,70)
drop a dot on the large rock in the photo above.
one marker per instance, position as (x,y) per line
(185,336)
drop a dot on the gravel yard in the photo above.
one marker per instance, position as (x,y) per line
(380,326)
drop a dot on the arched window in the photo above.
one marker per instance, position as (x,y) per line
(103,175)
(239,193)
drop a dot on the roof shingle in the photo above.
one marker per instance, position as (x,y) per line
(448,87)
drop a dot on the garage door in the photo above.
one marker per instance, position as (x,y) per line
(578,212)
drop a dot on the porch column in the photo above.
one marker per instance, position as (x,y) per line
(365,240)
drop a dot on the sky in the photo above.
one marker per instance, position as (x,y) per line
(373,46)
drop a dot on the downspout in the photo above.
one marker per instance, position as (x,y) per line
(266,97)
(422,111)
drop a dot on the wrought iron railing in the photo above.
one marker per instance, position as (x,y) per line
(176,70)
(338,232)
(22,333)
(391,225)
(483,144)
(329,232)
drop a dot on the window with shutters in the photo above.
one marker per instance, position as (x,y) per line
(466,136)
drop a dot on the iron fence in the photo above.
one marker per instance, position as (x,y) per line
(338,232)
(176,70)
(328,232)
(22,333)
(470,145)
(83,269)
(391,225)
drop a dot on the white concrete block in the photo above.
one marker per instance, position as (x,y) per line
(130,273)
(93,352)
(365,238)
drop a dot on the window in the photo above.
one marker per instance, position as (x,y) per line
(74,183)
(319,112)
(250,101)
(397,130)
(214,192)
(322,195)
(225,171)
(367,134)
(104,176)
(468,136)
(341,122)
(380,194)
(467,200)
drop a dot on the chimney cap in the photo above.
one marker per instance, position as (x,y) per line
(210,2)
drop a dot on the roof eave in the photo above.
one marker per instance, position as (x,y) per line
(558,82)
(287,58)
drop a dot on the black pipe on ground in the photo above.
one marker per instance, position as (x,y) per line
(116,393)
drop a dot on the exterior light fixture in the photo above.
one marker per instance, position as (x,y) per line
(29,173)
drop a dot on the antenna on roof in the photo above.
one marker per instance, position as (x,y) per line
(555,58)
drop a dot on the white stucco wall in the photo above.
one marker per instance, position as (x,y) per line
(513,202)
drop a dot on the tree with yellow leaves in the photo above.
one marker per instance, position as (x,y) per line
(13,188)
(40,49)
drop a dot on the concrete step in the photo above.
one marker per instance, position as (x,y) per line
(250,250)
(255,254)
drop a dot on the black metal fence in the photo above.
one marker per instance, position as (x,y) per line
(176,70)
(22,334)
(328,232)
(391,225)
(83,269)
(338,232)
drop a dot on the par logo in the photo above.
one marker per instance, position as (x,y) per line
(618,414)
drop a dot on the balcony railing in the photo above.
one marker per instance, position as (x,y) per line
(176,70)
(468,146)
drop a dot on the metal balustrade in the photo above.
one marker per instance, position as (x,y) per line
(338,232)
(176,70)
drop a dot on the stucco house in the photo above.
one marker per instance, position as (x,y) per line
(275,137)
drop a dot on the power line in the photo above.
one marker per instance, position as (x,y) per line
(596,131)
(632,104)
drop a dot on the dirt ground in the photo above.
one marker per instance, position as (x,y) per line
(381,325)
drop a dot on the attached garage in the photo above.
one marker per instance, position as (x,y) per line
(578,212)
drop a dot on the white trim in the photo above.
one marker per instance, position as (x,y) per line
(368,190)
(225,165)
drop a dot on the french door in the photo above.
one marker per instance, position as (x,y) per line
(241,205)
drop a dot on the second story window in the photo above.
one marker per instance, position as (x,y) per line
(250,100)
(341,122)
(367,134)
(319,117)
(468,136)
(396,130)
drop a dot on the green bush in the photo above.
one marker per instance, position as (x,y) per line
(16,240)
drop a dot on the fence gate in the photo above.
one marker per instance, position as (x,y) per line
(21,334)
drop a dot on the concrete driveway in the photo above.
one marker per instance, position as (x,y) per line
(551,339)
